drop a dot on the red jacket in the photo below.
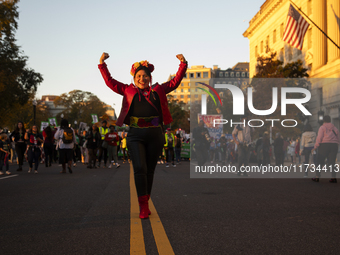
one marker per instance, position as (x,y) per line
(112,138)
(129,91)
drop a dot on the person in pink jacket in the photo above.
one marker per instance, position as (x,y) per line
(327,143)
(145,110)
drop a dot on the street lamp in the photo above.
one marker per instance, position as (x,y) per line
(320,117)
(34,109)
(75,124)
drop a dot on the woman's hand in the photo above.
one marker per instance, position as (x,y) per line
(103,57)
(181,57)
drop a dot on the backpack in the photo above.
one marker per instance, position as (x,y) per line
(67,135)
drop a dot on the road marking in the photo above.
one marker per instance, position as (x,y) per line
(10,176)
(137,245)
(161,239)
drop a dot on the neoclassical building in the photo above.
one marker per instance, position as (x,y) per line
(318,54)
(187,91)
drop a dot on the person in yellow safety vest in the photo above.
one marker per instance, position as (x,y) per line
(103,130)
(169,147)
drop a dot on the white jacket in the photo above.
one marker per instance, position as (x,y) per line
(307,140)
(59,137)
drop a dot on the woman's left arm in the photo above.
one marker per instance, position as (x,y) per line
(174,82)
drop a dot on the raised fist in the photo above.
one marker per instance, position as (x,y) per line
(103,57)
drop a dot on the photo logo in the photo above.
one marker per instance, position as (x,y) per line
(238,100)
(204,98)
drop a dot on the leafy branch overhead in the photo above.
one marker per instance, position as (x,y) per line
(18,82)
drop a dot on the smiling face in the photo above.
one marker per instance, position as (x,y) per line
(142,80)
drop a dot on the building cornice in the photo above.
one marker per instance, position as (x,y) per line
(265,11)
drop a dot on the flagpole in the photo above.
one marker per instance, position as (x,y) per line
(315,25)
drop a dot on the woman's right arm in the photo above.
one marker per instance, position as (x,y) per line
(113,84)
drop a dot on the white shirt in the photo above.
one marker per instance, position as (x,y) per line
(244,135)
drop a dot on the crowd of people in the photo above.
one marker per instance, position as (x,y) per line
(96,147)
(311,148)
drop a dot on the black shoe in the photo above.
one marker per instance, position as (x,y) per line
(315,179)
(70,170)
(63,172)
(19,169)
(333,180)
(89,167)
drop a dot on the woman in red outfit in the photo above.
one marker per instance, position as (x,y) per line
(145,110)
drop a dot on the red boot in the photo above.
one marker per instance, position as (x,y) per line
(144,207)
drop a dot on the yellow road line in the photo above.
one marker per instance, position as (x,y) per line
(137,245)
(161,239)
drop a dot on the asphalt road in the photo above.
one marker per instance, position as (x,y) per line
(89,212)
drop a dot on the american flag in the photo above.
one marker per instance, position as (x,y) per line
(296,28)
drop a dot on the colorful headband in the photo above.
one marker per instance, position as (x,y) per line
(145,63)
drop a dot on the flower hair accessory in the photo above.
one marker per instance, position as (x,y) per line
(145,63)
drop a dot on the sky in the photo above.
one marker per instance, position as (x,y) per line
(65,39)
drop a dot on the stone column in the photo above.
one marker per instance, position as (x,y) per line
(319,10)
(333,28)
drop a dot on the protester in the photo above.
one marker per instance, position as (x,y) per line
(291,150)
(145,110)
(93,142)
(169,147)
(278,149)
(83,149)
(231,152)
(285,150)
(103,130)
(327,143)
(48,135)
(259,150)
(267,150)
(202,142)
(178,147)
(124,148)
(297,150)
(111,138)
(212,149)
(34,140)
(306,146)
(20,145)
(223,147)
(242,137)
(76,150)
(4,153)
(66,140)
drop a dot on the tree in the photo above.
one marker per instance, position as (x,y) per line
(79,106)
(25,114)
(18,83)
(269,67)
(179,116)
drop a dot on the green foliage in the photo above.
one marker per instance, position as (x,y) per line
(179,116)
(79,106)
(25,114)
(18,83)
(270,67)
